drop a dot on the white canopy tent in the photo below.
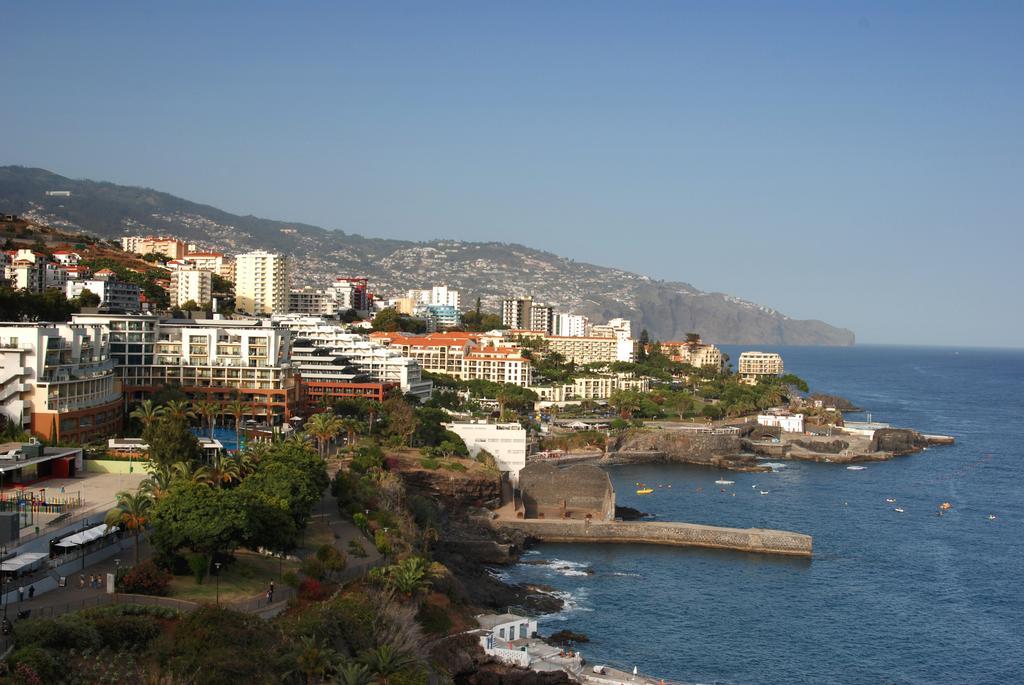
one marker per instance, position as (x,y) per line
(23,562)
(87,536)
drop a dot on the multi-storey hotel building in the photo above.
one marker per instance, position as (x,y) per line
(58,381)
(753,365)
(379,362)
(261,283)
(217,360)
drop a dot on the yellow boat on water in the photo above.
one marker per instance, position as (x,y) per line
(645,491)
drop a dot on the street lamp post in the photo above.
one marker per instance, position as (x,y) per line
(217,565)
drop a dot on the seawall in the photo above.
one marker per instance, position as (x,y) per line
(757,540)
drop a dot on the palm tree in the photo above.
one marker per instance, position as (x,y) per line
(186,471)
(179,409)
(146,413)
(207,412)
(222,471)
(237,409)
(314,659)
(352,428)
(131,513)
(324,427)
(373,410)
(161,477)
(410,576)
(385,661)
(248,462)
(352,673)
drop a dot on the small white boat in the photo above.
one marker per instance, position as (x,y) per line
(754,486)
(890,500)
(855,468)
(765,492)
(722,481)
(991,517)
(898,510)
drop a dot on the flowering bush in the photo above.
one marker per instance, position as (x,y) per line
(312,589)
(145,579)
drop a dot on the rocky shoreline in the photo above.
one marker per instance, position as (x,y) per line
(740,451)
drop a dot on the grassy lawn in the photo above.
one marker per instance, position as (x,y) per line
(248,576)
(317,533)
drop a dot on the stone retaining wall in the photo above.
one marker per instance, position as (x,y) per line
(758,540)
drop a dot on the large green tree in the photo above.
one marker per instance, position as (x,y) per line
(170,441)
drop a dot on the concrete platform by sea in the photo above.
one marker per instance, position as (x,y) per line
(757,540)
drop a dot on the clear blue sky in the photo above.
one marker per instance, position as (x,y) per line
(861,163)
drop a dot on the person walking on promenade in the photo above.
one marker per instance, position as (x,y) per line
(31,591)
(81,581)
(21,594)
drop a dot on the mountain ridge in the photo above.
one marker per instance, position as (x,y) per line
(489,270)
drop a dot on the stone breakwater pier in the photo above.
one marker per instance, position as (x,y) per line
(757,540)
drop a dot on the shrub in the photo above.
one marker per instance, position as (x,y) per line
(381,541)
(38,662)
(454,466)
(434,619)
(487,459)
(145,579)
(312,589)
(214,645)
(67,632)
(356,549)
(313,568)
(332,559)
(126,631)
(291,578)
(361,521)
(131,610)
(198,565)
(430,463)
(424,510)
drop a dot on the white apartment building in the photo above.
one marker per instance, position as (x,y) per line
(753,365)
(66,258)
(581,349)
(789,423)
(191,285)
(571,325)
(113,294)
(25,270)
(506,442)
(498,365)
(206,261)
(215,360)
(55,276)
(599,387)
(381,363)
(615,328)
(312,302)
(261,283)
(440,295)
(58,381)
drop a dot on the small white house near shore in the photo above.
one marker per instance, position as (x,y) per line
(500,631)
(506,442)
(789,423)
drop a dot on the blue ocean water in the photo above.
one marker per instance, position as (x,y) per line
(888,598)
